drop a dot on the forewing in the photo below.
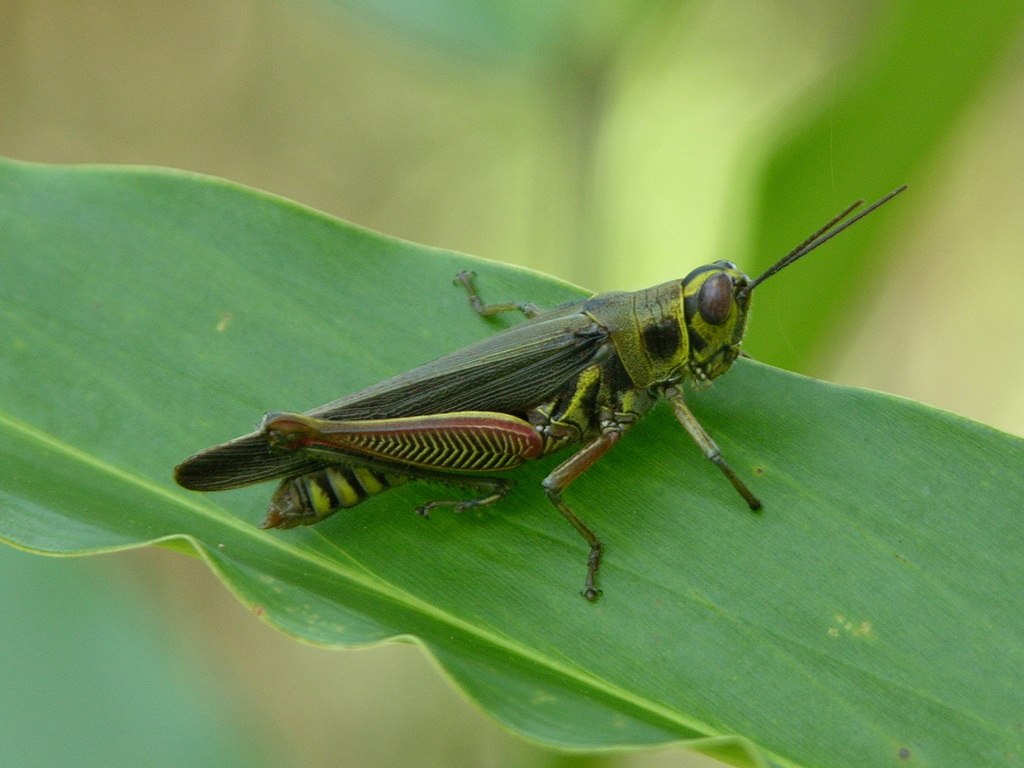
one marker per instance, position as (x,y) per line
(243,461)
(507,373)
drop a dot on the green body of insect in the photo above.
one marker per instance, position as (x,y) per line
(577,375)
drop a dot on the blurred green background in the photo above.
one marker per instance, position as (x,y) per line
(613,144)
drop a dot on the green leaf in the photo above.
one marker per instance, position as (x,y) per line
(871,610)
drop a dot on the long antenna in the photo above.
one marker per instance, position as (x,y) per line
(822,236)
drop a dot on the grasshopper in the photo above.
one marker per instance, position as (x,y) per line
(577,375)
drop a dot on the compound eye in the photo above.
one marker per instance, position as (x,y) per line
(714,302)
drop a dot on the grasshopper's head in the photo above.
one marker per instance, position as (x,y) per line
(715,302)
(716,299)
